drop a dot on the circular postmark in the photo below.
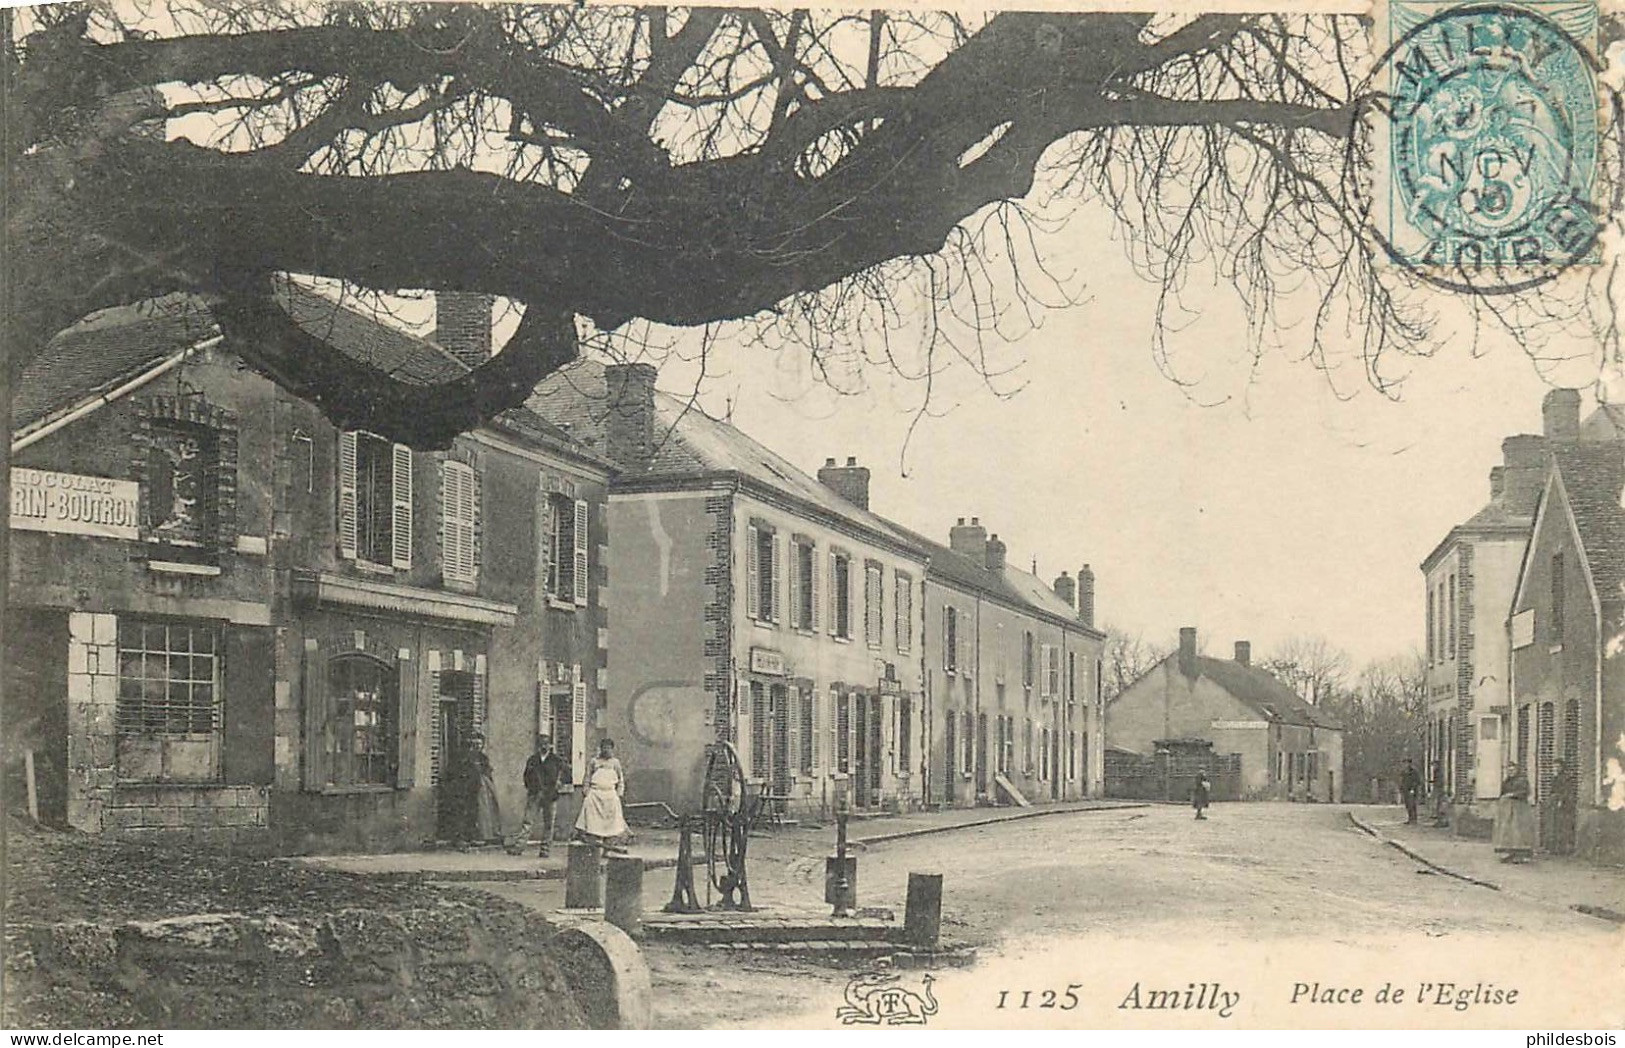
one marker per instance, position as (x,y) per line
(1494,125)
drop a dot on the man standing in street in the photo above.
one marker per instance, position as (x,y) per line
(545,773)
(1410,790)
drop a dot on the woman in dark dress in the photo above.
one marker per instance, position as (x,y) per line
(1200,794)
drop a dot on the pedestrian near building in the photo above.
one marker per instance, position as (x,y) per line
(487,813)
(601,821)
(1201,794)
(1410,790)
(545,773)
(1514,837)
(1561,795)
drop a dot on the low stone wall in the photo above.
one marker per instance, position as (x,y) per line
(450,966)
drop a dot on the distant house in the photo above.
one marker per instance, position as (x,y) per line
(1288,748)
(1566,630)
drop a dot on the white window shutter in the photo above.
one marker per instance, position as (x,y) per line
(834,570)
(347,521)
(776,612)
(1043,670)
(753,574)
(795,588)
(400,551)
(546,533)
(813,598)
(473,500)
(578,726)
(948,652)
(963,631)
(450,535)
(583,540)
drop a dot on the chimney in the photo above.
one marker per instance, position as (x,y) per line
(969,539)
(1560,412)
(462,325)
(1187,651)
(629,426)
(1498,482)
(995,554)
(1525,472)
(850,481)
(1086,596)
(1067,589)
(1244,652)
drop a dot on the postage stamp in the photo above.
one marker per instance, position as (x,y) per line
(1494,116)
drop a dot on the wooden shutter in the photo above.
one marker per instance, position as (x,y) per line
(545,546)
(400,550)
(1043,669)
(948,652)
(795,588)
(583,536)
(346,521)
(578,726)
(406,729)
(315,699)
(813,599)
(458,500)
(792,722)
(753,574)
(962,629)
(776,612)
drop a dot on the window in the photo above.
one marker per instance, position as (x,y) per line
(760,724)
(764,571)
(1007,755)
(375,500)
(1451,617)
(1029,666)
(360,736)
(1052,670)
(1043,755)
(168,712)
(970,741)
(843,733)
(874,627)
(181,460)
(1071,677)
(1430,642)
(1027,746)
(840,586)
(804,587)
(459,516)
(1071,755)
(1557,598)
(567,534)
(950,638)
(903,612)
(998,655)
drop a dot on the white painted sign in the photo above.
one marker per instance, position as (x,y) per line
(767,661)
(74,504)
(1523,629)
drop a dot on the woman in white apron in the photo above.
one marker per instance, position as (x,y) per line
(601,820)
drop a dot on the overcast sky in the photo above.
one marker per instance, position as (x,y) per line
(1257,504)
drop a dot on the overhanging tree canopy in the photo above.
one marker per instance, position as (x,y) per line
(677,166)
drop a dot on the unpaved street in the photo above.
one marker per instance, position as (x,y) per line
(1259,881)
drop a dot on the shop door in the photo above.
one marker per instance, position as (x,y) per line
(981,753)
(950,773)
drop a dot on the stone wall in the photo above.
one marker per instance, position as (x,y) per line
(453,966)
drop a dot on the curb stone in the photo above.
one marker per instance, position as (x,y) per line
(881,838)
(1424,860)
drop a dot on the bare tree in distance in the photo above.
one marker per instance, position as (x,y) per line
(1384,717)
(857,188)
(1128,656)
(1309,665)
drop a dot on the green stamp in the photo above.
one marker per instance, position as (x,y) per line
(1495,118)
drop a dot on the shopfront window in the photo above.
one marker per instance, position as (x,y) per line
(361,722)
(168,713)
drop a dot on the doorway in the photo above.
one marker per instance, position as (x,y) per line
(981,753)
(948,769)
(454,782)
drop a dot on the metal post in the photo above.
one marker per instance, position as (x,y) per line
(841,874)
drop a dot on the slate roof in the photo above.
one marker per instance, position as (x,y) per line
(1259,690)
(689,443)
(109,348)
(1011,585)
(102,352)
(1593,478)
(1606,423)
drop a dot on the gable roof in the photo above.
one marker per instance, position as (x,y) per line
(1010,585)
(1256,688)
(111,347)
(1593,478)
(691,444)
(104,351)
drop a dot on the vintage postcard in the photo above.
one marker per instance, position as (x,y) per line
(1094,515)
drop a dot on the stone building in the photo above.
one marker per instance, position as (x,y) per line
(1566,631)
(231,619)
(1012,671)
(752,603)
(1288,748)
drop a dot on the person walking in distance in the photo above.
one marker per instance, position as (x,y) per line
(1410,790)
(545,776)
(1201,793)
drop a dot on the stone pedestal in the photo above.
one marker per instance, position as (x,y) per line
(623,894)
(922,913)
(581,887)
